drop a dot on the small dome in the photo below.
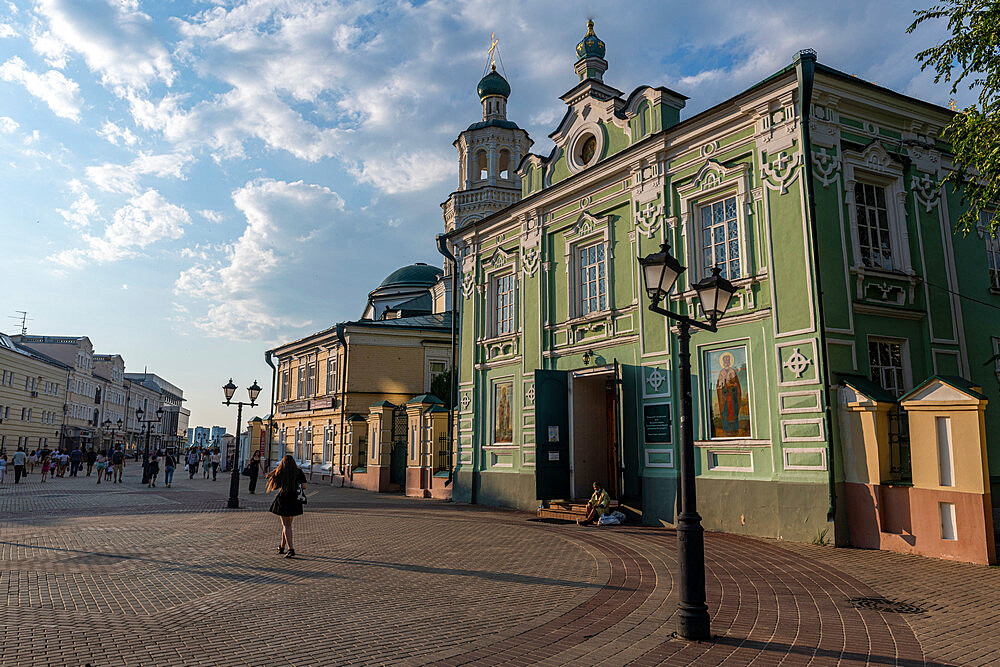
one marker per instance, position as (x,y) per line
(414,274)
(590,46)
(493,84)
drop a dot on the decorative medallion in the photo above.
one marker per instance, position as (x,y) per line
(649,217)
(656,379)
(780,172)
(466,401)
(797,363)
(468,285)
(926,192)
(530,394)
(827,168)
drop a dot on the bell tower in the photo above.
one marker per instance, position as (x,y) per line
(488,154)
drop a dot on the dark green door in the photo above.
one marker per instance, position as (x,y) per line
(552,435)
(397,455)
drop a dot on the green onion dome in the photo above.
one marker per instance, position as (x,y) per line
(590,46)
(493,84)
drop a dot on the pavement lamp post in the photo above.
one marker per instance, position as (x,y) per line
(109,426)
(234,481)
(148,426)
(660,271)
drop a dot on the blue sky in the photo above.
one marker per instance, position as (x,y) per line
(189,183)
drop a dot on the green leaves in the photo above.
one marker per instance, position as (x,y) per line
(972,56)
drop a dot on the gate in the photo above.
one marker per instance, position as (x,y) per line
(397,459)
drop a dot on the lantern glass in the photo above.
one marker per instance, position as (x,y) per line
(229,388)
(253,391)
(159,413)
(660,271)
(139,412)
(714,293)
(119,423)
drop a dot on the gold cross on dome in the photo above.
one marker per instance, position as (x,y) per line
(493,48)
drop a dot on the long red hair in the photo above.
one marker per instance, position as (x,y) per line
(285,476)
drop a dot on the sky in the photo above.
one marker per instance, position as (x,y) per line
(192,183)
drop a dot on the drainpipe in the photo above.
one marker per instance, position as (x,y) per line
(442,244)
(268,359)
(805,72)
(343,399)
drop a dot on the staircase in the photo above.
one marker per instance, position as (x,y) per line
(568,510)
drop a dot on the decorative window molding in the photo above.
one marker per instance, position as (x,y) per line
(874,166)
(589,230)
(575,146)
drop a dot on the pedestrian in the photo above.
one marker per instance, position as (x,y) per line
(253,468)
(107,469)
(75,459)
(118,464)
(91,460)
(206,457)
(32,460)
(216,458)
(19,459)
(192,462)
(3,466)
(102,464)
(153,469)
(290,484)
(46,465)
(168,468)
(63,463)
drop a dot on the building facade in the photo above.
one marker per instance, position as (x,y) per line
(330,383)
(848,332)
(32,393)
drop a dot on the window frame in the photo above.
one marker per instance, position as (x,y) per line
(709,204)
(503,326)
(601,281)
(992,241)
(589,230)
(906,374)
(874,166)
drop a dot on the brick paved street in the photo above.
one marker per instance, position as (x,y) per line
(125,575)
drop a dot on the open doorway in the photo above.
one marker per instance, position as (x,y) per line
(595,451)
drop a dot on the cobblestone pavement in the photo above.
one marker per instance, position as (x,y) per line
(126,575)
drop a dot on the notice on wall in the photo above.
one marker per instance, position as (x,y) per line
(553,434)
(656,426)
(553,456)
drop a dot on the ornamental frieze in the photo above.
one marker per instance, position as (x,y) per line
(780,172)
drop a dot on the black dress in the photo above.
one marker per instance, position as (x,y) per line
(287,503)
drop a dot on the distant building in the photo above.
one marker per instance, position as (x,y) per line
(32,394)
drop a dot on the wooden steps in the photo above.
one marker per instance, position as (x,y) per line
(566,510)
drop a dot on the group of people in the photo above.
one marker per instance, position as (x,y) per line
(58,463)
(208,458)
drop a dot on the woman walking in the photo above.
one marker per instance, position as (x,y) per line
(153,470)
(253,469)
(168,468)
(290,484)
(102,464)
(46,464)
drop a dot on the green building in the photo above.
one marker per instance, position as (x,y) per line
(846,324)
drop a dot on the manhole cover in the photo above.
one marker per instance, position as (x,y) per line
(886,605)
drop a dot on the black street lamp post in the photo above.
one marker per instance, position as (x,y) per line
(660,271)
(148,426)
(109,425)
(234,481)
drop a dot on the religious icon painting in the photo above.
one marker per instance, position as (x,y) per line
(728,392)
(503,430)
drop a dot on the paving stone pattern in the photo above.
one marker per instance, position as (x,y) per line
(127,575)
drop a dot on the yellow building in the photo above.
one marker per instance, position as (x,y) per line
(32,394)
(330,383)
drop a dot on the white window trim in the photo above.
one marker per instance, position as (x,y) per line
(874,166)
(904,353)
(697,230)
(500,264)
(712,183)
(588,230)
(575,145)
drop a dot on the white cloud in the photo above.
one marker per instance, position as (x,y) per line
(82,211)
(210,215)
(8,125)
(404,173)
(7,30)
(289,227)
(116,133)
(116,40)
(52,87)
(144,220)
(123,178)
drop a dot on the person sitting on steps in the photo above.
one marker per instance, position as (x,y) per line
(597,506)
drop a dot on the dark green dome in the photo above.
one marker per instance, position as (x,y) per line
(590,46)
(414,274)
(493,84)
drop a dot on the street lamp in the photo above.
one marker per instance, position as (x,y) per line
(148,426)
(660,271)
(234,480)
(109,425)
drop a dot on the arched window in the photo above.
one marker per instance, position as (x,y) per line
(504,164)
(482,165)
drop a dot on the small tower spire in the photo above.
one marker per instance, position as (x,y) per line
(493,89)
(590,53)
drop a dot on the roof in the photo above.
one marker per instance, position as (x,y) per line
(960,383)
(493,122)
(493,84)
(414,274)
(425,399)
(430,321)
(41,356)
(864,385)
(382,404)
(355,417)
(418,305)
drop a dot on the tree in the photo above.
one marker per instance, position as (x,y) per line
(971,55)
(441,387)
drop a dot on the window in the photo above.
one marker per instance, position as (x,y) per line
(505,304)
(504,164)
(284,385)
(720,238)
(873,226)
(24,412)
(328,444)
(438,367)
(992,248)
(886,359)
(593,279)
(482,165)
(588,149)
(310,378)
(302,382)
(331,373)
